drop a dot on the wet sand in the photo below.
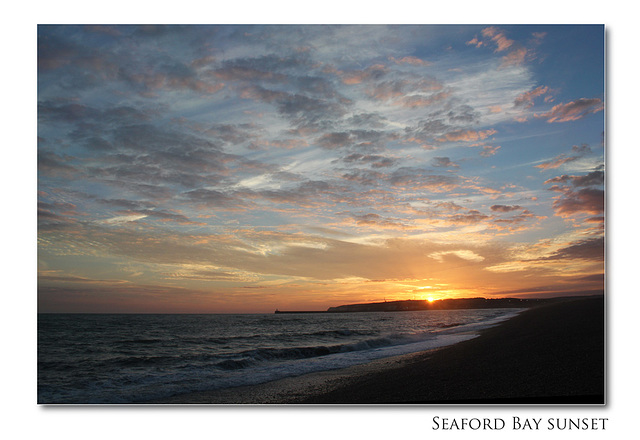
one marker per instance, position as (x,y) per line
(552,354)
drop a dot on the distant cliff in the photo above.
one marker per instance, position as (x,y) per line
(444,304)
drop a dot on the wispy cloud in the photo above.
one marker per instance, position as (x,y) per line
(573,111)
(578,153)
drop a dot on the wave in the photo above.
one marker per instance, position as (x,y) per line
(250,358)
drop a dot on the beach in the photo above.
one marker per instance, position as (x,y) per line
(551,354)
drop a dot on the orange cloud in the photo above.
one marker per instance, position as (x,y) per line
(560,160)
(488,151)
(572,111)
(466,135)
(475,42)
(410,60)
(526,99)
(497,37)
(514,58)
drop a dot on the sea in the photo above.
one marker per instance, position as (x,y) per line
(135,358)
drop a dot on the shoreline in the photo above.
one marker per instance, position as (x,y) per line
(549,354)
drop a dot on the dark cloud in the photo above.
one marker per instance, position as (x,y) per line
(234,134)
(430,129)
(357,139)
(368,178)
(594,178)
(524,216)
(305,194)
(52,164)
(405,178)
(214,199)
(583,201)
(580,197)
(56,217)
(77,66)
(505,208)
(376,161)
(302,111)
(372,120)
(470,217)
(66,112)
(293,70)
(372,219)
(415,178)
(443,162)
(589,249)
(463,114)
(156,192)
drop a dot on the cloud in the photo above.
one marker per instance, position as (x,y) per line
(526,99)
(464,254)
(302,111)
(413,178)
(582,196)
(57,165)
(493,36)
(374,72)
(124,219)
(505,208)
(476,42)
(443,162)
(558,161)
(234,134)
(58,53)
(584,201)
(359,139)
(467,135)
(377,221)
(472,216)
(376,161)
(588,249)
(515,58)
(160,215)
(214,199)
(594,178)
(498,37)
(488,150)
(413,101)
(56,216)
(573,111)
(414,61)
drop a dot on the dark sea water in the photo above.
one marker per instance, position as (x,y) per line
(95,358)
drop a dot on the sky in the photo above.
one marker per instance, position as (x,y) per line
(232,169)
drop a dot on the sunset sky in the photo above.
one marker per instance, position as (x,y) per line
(205,169)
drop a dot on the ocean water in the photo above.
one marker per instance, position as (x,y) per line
(114,359)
